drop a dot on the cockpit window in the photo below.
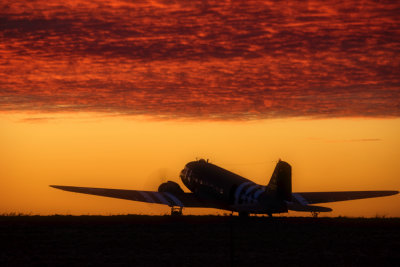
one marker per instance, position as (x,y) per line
(183,172)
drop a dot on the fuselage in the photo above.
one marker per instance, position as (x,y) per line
(227,190)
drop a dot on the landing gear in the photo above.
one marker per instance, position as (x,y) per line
(314,214)
(176,211)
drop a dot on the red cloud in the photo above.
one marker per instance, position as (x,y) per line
(246,60)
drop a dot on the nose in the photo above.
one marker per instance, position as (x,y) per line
(183,173)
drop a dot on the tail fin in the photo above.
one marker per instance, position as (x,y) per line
(281,181)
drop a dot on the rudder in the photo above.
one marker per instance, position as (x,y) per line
(281,181)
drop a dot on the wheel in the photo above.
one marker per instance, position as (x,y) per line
(176,211)
(314,214)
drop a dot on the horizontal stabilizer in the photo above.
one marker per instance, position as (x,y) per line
(299,207)
(306,198)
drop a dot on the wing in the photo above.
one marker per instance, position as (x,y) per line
(306,198)
(180,200)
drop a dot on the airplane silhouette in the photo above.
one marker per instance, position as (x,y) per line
(214,187)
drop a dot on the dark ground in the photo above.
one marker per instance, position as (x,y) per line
(198,240)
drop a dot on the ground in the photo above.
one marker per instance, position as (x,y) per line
(198,241)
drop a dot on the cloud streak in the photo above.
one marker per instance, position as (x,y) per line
(207,60)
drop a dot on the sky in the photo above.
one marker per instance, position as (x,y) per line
(120,93)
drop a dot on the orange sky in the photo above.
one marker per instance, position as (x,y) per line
(122,152)
(105,93)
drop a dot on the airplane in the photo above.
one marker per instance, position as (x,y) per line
(214,187)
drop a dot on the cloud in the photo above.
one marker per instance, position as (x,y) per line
(37,119)
(356,140)
(366,140)
(346,140)
(215,60)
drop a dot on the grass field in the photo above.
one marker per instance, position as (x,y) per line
(198,241)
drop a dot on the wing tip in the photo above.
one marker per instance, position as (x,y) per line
(390,192)
(59,187)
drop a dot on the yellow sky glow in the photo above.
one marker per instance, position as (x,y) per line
(90,149)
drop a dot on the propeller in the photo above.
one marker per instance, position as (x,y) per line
(153,181)
(157,177)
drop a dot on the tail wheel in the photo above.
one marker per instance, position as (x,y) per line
(314,214)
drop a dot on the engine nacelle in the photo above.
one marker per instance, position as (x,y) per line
(170,187)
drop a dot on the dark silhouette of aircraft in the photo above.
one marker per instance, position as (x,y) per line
(214,187)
